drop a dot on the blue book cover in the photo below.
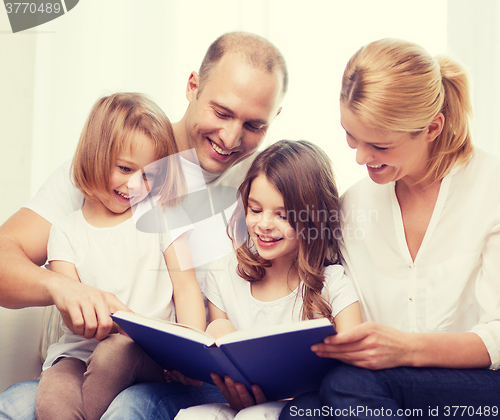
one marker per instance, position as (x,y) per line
(278,358)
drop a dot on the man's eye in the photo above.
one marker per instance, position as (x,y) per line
(220,114)
(255,128)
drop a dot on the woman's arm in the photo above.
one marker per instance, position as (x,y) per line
(376,346)
(189,306)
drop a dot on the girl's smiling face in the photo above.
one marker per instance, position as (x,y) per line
(266,219)
(131,176)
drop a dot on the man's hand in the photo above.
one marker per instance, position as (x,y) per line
(85,309)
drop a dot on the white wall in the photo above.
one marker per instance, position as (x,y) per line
(57,71)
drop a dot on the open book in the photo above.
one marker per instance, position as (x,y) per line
(278,358)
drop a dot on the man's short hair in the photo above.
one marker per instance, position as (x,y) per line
(255,49)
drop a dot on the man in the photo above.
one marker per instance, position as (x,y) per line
(232,101)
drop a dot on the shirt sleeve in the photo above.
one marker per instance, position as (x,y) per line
(487,293)
(60,246)
(57,197)
(340,289)
(177,222)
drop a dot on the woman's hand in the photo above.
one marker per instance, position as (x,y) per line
(369,345)
(236,394)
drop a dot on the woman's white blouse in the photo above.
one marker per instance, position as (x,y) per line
(453,285)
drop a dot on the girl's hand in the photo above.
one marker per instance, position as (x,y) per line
(236,394)
(176,376)
(369,345)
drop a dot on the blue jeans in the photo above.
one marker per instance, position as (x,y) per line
(146,401)
(423,393)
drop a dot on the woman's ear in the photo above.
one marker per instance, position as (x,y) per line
(435,127)
(192,86)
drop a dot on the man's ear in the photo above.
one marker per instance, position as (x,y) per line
(435,127)
(192,86)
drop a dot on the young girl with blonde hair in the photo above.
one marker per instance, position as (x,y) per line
(126,153)
(286,268)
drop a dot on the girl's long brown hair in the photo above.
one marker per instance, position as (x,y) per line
(303,174)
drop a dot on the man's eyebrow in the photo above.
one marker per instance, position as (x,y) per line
(230,112)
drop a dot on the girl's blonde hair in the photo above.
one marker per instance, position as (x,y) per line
(303,174)
(111,126)
(396,85)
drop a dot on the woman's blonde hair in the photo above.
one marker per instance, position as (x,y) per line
(396,85)
(111,126)
(303,174)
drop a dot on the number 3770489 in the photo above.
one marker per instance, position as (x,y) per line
(33,8)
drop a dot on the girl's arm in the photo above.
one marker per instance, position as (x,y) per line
(219,324)
(189,306)
(376,346)
(348,317)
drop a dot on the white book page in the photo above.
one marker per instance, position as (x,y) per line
(242,335)
(179,330)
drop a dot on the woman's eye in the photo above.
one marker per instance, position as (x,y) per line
(380,148)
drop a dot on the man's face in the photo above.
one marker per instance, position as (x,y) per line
(228,120)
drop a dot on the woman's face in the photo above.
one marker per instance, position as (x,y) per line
(388,155)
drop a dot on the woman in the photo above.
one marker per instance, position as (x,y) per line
(421,243)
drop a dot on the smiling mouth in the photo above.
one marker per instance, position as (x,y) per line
(126,197)
(268,239)
(376,166)
(219,150)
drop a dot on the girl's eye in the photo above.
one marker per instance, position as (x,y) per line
(282,216)
(148,177)
(254,210)
(124,169)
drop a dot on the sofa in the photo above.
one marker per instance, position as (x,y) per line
(26,334)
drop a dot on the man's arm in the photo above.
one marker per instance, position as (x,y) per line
(23,247)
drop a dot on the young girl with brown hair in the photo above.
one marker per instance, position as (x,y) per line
(287,267)
(126,151)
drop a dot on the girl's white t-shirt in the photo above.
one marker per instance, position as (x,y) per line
(119,259)
(232,294)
